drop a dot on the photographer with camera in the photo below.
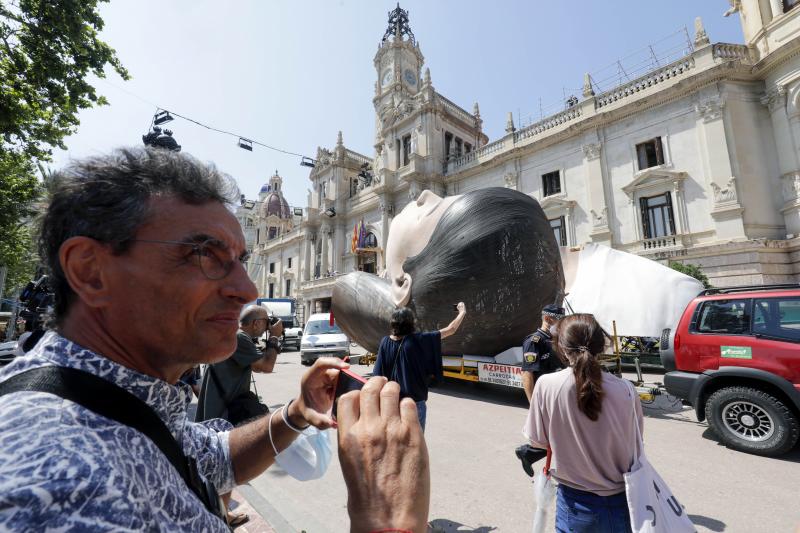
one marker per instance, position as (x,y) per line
(225,390)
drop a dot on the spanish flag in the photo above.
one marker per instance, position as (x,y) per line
(354,240)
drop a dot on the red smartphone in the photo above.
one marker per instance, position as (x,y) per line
(346,382)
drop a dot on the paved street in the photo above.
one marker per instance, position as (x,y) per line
(478,485)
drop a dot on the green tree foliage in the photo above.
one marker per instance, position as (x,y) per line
(48,49)
(691,270)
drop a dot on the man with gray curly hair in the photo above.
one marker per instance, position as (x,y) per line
(146,260)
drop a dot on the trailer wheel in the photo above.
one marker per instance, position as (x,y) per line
(753,421)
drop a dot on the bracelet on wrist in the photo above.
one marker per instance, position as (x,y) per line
(285,415)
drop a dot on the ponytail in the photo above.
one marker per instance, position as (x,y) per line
(589,384)
(580,339)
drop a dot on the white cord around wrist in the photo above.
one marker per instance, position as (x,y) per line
(286,418)
(269,425)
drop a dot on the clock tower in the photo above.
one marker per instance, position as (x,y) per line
(417,130)
(399,61)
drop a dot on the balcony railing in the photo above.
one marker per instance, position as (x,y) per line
(668,241)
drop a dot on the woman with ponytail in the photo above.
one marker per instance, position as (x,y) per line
(584,415)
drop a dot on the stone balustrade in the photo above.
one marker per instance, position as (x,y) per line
(319,283)
(547,123)
(475,155)
(731,52)
(355,156)
(668,72)
(455,110)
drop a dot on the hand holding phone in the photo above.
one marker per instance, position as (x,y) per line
(347,381)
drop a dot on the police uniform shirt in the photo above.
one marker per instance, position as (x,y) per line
(537,354)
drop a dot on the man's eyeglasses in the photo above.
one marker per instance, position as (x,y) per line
(210,255)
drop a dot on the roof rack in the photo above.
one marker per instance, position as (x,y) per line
(726,290)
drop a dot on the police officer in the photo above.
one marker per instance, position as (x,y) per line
(538,357)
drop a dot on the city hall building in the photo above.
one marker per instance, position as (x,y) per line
(695,161)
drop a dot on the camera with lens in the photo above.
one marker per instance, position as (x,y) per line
(36,298)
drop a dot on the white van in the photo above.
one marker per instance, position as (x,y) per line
(320,339)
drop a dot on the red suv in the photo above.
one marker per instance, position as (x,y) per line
(735,356)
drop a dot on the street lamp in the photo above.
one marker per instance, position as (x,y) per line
(162,117)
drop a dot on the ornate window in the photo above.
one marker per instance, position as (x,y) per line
(559,213)
(658,219)
(271,290)
(656,199)
(650,153)
(406,149)
(559,230)
(288,288)
(551,183)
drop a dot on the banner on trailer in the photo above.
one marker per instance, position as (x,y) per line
(510,376)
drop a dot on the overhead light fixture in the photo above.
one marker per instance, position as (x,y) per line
(245,144)
(307,162)
(330,212)
(162,117)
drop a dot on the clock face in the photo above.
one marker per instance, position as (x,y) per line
(387,78)
(410,77)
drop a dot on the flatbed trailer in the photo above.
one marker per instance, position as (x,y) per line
(481,369)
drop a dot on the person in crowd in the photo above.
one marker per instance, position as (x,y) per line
(225,390)
(411,358)
(147,262)
(586,417)
(193,377)
(538,357)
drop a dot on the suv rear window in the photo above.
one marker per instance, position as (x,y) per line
(777,317)
(727,317)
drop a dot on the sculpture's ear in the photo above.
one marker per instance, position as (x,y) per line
(401,293)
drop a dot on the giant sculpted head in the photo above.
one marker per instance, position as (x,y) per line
(492,248)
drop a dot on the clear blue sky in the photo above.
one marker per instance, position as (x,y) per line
(293,73)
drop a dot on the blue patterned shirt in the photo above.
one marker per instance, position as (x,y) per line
(64,468)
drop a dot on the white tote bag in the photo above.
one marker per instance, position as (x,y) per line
(652,506)
(544,488)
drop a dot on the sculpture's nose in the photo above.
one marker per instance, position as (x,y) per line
(362,305)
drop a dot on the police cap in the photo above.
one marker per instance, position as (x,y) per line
(554,311)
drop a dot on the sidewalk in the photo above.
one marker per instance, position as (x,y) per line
(264,518)
(257,522)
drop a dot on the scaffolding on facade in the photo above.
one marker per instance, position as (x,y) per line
(672,47)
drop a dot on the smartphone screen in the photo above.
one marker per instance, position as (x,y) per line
(346,382)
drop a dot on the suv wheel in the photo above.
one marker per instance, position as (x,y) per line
(752,421)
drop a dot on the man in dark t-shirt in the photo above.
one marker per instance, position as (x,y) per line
(225,391)
(409,358)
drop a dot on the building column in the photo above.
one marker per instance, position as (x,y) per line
(307,267)
(324,234)
(786,132)
(387,212)
(600,232)
(726,210)
(338,248)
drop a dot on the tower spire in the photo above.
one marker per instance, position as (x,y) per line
(398,25)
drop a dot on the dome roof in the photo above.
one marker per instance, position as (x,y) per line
(275,204)
(264,188)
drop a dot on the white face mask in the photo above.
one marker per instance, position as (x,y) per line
(553,330)
(308,456)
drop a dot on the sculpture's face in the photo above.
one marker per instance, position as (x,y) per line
(410,232)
